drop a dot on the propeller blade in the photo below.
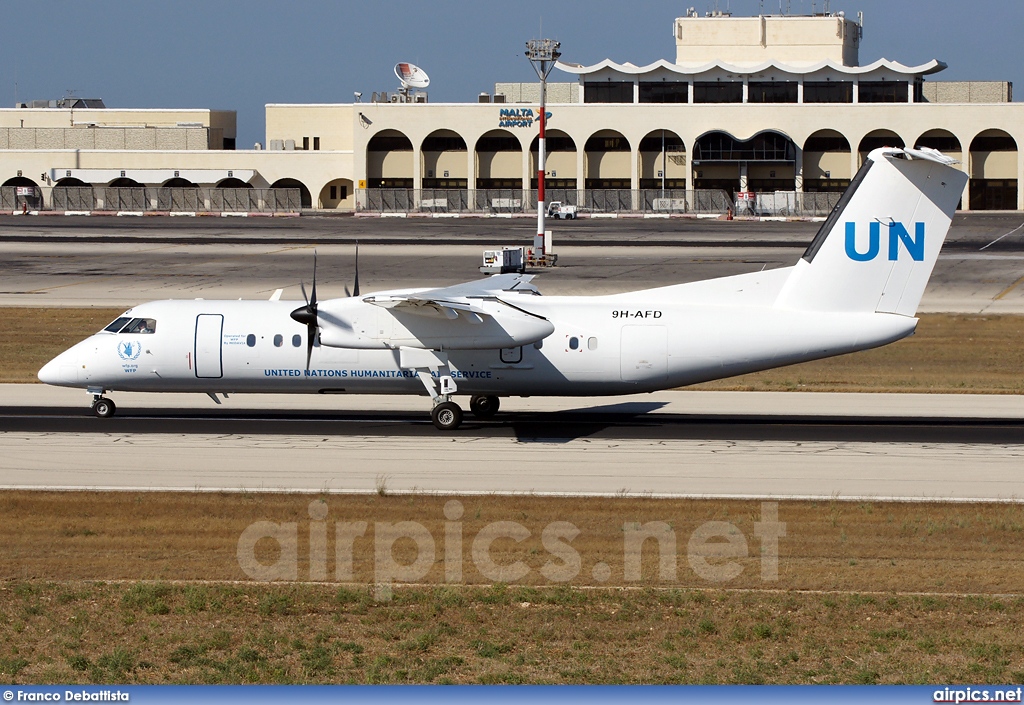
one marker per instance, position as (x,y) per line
(347,292)
(355,286)
(311,332)
(308,314)
(312,301)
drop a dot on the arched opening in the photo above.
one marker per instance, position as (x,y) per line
(19,193)
(71,194)
(70,181)
(443,161)
(389,160)
(942,140)
(606,157)
(877,139)
(662,161)
(125,194)
(124,183)
(232,182)
(993,169)
(337,194)
(305,200)
(763,163)
(559,162)
(826,161)
(178,182)
(499,161)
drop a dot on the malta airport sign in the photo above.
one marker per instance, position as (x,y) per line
(519,117)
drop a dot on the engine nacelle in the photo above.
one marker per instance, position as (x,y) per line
(355,323)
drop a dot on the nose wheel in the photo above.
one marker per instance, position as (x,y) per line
(447,416)
(103,407)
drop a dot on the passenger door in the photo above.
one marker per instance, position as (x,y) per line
(209,359)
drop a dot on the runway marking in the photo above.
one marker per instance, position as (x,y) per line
(1002,236)
(1008,289)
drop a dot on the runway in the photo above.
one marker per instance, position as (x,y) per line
(696,444)
(109,262)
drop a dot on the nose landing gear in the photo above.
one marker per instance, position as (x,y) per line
(103,407)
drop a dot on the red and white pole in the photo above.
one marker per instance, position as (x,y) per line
(538,241)
(543,53)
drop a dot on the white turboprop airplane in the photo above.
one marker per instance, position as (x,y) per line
(856,287)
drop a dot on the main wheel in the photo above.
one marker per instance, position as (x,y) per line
(484,407)
(104,408)
(447,416)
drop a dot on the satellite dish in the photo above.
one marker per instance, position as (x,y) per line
(411,75)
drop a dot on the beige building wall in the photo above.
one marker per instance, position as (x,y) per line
(837,164)
(994,165)
(454,162)
(333,124)
(116,117)
(753,40)
(675,165)
(967,91)
(499,165)
(608,165)
(389,165)
(563,164)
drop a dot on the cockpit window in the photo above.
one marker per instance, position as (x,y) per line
(117,325)
(141,325)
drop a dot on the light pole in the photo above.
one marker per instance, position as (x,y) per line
(542,53)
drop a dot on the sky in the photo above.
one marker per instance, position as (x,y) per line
(242,54)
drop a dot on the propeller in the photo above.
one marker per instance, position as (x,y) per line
(307,314)
(355,289)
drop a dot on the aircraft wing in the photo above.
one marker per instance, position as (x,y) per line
(448,301)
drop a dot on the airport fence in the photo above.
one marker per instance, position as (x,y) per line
(599,201)
(14,198)
(175,199)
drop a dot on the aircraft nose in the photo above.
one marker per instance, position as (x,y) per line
(60,370)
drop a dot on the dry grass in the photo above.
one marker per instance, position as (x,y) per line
(865,593)
(30,337)
(976,354)
(913,547)
(163,633)
(948,354)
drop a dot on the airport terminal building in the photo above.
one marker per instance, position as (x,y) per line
(776,105)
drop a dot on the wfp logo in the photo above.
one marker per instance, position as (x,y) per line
(897,235)
(129,350)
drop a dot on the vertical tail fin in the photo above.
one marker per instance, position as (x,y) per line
(876,250)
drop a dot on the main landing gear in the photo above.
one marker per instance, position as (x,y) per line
(484,407)
(447,415)
(103,407)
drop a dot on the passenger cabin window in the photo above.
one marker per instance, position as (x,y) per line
(250,340)
(574,343)
(296,341)
(144,326)
(592,343)
(278,340)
